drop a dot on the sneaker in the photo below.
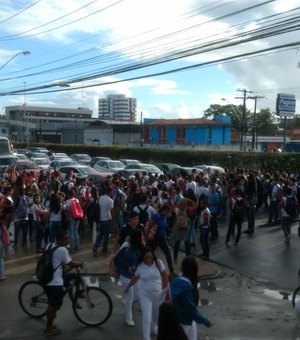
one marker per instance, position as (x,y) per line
(227,244)
(236,244)
(130,323)
(154,330)
(53,332)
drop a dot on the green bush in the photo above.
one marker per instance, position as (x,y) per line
(288,162)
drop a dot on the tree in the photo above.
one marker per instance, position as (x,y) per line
(234,111)
(265,121)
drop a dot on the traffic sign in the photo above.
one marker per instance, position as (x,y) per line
(286,105)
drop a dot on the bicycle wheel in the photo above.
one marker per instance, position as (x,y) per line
(92,306)
(296,296)
(33,299)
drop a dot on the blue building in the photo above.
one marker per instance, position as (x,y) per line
(198,131)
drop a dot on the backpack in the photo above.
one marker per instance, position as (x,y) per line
(76,211)
(143,215)
(290,206)
(21,207)
(239,207)
(44,270)
(95,212)
(65,187)
(182,220)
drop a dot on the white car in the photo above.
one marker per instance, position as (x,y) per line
(109,165)
(126,161)
(42,163)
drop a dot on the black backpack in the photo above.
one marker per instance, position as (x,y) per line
(290,206)
(44,270)
(239,208)
(65,187)
(143,214)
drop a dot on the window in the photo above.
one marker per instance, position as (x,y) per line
(180,135)
(162,133)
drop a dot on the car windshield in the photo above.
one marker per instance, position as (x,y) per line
(87,157)
(65,163)
(115,164)
(41,161)
(88,171)
(24,166)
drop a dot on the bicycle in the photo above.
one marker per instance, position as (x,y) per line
(92,305)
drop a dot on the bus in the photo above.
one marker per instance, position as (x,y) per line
(5,147)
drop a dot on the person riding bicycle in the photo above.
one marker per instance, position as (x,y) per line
(55,288)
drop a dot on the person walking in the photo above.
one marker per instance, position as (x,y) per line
(106,214)
(288,207)
(204,226)
(152,279)
(55,217)
(126,261)
(185,297)
(73,222)
(55,288)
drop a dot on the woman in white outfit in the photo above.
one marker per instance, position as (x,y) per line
(152,277)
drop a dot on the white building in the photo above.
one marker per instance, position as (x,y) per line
(117,107)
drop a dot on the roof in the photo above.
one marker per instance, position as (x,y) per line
(189,121)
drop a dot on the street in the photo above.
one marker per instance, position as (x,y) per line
(241,275)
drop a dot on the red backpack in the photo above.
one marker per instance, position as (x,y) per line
(76,211)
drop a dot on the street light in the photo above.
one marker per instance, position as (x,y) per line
(24,53)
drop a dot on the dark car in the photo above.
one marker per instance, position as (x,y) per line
(167,167)
(27,166)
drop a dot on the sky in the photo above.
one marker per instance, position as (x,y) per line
(175,57)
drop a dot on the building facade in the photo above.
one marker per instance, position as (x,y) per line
(188,132)
(117,107)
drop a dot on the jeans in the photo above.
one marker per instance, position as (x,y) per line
(23,225)
(273,211)
(30,226)
(163,245)
(286,223)
(214,226)
(204,232)
(191,231)
(54,228)
(104,231)
(250,211)
(39,234)
(73,233)
(176,248)
(232,222)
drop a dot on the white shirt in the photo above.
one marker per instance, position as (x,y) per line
(59,259)
(150,277)
(150,210)
(106,203)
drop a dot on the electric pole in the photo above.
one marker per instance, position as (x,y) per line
(254,119)
(243,121)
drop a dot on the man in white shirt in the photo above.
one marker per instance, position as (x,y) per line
(106,208)
(55,288)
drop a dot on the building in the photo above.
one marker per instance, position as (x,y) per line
(117,107)
(188,132)
(66,126)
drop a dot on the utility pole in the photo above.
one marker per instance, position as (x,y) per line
(254,119)
(243,121)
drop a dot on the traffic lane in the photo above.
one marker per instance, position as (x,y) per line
(15,324)
(263,255)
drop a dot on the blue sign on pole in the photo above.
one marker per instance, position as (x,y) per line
(286,105)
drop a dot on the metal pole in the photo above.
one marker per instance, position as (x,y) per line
(284,134)
(254,125)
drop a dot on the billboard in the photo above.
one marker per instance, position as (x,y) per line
(285,105)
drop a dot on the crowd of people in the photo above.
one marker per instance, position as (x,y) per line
(142,213)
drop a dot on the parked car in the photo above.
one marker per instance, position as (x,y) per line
(59,155)
(27,166)
(37,155)
(184,170)
(211,168)
(81,171)
(42,163)
(38,149)
(167,167)
(58,163)
(144,167)
(126,161)
(94,160)
(81,158)
(109,165)
(7,161)
(98,178)
(20,156)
